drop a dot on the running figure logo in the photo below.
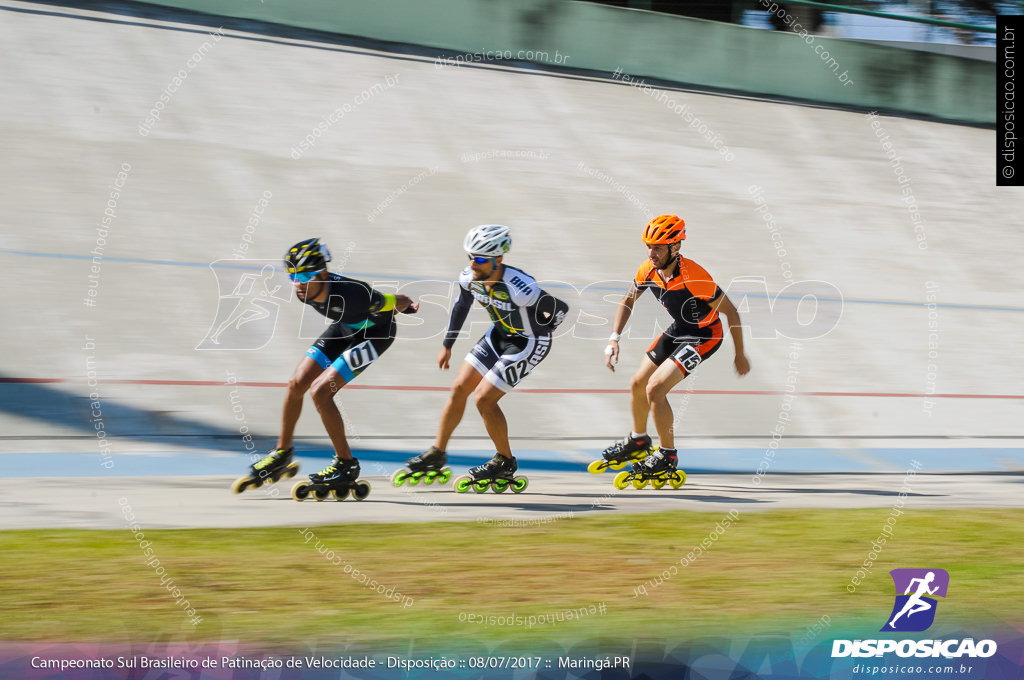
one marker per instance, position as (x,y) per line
(248,303)
(916,585)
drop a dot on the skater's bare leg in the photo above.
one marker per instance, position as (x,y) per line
(638,394)
(323,390)
(661,383)
(487,396)
(305,373)
(465,382)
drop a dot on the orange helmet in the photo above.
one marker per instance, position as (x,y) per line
(664,229)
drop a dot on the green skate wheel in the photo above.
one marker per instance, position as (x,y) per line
(414,478)
(622,480)
(519,484)
(482,485)
(446,474)
(398,477)
(300,491)
(678,479)
(240,485)
(500,485)
(361,490)
(321,494)
(462,483)
(659,483)
(639,483)
(597,467)
(339,494)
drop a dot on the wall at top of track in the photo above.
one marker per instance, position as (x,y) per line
(651,45)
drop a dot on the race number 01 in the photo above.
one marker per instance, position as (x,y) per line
(360,356)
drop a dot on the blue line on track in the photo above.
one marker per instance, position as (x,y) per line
(397,277)
(376,462)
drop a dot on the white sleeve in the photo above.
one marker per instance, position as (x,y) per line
(522,287)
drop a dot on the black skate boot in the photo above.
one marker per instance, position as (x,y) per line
(428,467)
(616,456)
(497,473)
(337,479)
(268,470)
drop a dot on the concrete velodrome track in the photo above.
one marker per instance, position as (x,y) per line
(910,351)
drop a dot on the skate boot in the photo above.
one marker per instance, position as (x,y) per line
(268,470)
(622,452)
(498,473)
(336,480)
(428,467)
(659,469)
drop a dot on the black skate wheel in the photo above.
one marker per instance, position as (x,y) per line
(398,477)
(339,494)
(240,485)
(519,484)
(300,491)
(361,490)
(321,494)
(292,470)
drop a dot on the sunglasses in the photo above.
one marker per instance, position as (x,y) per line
(302,277)
(479,260)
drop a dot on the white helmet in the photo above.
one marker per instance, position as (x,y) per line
(492,240)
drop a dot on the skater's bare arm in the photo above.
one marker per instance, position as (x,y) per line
(724,305)
(622,313)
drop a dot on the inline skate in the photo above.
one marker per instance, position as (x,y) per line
(618,455)
(268,470)
(658,469)
(427,467)
(498,473)
(336,480)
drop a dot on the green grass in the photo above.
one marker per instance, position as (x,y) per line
(768,573)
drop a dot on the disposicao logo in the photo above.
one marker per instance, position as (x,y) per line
(914,611)
(924,583)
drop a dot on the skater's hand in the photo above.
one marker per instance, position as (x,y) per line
(405,305)
(444,358)
(742,365)
(611,354)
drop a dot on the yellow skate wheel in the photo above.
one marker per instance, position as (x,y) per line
(621,480)
(300,491)
(678,479)
(618,466)
(597,467)
(639,483)
(240,485)
(291,470)
(659,483)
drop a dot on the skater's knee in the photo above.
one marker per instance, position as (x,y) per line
(657,390)
(461,389)
(639,383)
(322,392)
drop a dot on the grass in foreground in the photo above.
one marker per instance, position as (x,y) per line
(768,573)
